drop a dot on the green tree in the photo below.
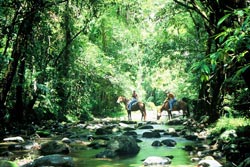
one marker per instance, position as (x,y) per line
(213,74)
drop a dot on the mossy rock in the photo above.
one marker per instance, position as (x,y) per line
(43,133)
(4,163)
(54,147)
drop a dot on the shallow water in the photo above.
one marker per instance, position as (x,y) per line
(87,158)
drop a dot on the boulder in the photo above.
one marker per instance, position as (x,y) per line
(66,140)
(54,160)
(14,139)
(130,133)
(156,143)
(106,154)
(156,160)
(103,131)
(209,161)
(96,144)
(169,142)
(124,145)
(151,135)
(146,127)
(54,147)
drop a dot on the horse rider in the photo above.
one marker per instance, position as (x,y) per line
(171,100)
(133,100)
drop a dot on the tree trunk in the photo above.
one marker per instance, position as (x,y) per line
(25,30)
(63,66)
(18,110)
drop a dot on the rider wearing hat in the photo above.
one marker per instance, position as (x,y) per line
(171,99)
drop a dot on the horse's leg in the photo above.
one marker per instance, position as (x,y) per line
(143,114)
(129,115)
(157,115)
(169,114)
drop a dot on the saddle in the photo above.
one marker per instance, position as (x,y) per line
(133,104)
(175,103)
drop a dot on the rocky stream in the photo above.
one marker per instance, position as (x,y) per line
(181,142)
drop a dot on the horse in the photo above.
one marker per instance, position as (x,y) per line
(178,105)
(135,107)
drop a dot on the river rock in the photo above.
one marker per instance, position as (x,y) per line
(54,147)
(13,147)
(156,160)
(151,135)
(130,133)
(171,130)
(175,121)
(128,129)
(106,154)
(96,144)
(30,145)
(169,142)
(209,162)
(124,145)
(66,140)
(103,131)
(191,137)
(14,139)
(54,160)
(228,134)
(156,143)
(189,148)
(125,126)
(6,154)
(146,127)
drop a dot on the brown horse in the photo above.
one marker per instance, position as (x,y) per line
(135,107)
(178,105)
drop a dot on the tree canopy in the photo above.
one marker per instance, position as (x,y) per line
(70,60)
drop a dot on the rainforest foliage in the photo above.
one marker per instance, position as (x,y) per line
(70,59)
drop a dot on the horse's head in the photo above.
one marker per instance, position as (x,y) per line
(120,99)
(160,109)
